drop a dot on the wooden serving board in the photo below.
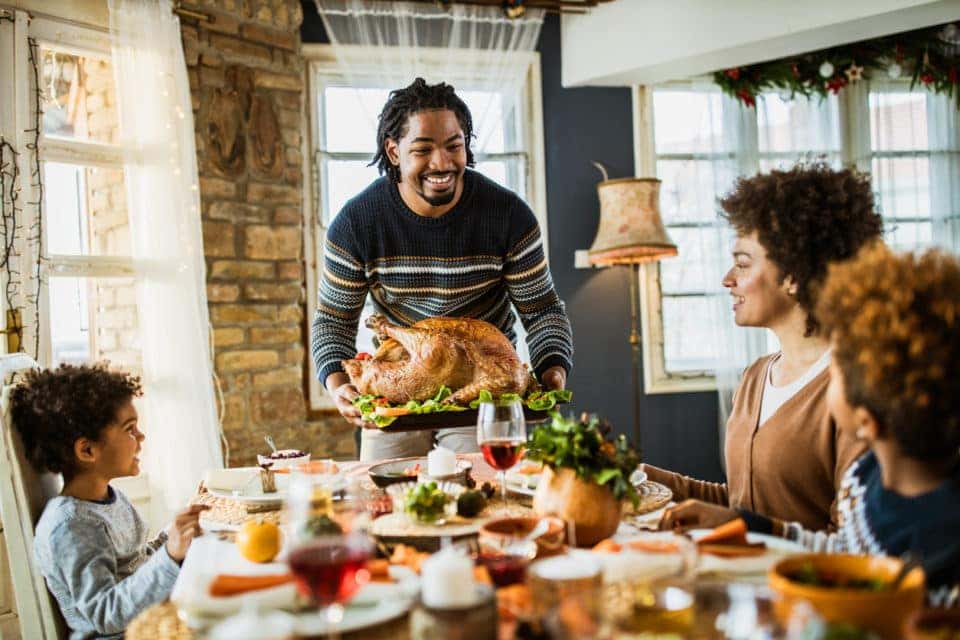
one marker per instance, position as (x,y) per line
(447,419)
(398,528)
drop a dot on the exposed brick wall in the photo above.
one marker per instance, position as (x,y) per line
(247,89)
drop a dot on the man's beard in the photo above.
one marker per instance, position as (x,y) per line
(440,200)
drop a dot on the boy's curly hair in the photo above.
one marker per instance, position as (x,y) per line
(895,324)
(806,218)
(52,408)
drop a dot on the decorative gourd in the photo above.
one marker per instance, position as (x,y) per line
(592,508)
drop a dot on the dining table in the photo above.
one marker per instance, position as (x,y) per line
(163,622)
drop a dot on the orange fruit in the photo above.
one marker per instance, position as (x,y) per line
(258,540)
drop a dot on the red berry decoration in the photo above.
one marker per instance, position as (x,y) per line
(733,74)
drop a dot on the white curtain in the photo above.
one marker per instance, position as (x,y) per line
(157,133)
(387,45)
(731,140)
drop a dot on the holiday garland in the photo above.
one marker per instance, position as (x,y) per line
(930,56)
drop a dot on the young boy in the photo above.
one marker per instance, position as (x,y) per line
(91,544)
(894,321)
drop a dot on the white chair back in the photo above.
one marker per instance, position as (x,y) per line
(23,494)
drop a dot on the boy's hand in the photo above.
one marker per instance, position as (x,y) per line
(184,528)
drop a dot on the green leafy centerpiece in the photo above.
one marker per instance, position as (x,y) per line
(586,475)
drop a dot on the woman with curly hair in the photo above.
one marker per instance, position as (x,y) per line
(91,544)
(784,454)
(894,321)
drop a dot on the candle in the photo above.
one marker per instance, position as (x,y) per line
(441,462)
(447,580)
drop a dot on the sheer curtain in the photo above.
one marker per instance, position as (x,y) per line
(157,133)
(387,45)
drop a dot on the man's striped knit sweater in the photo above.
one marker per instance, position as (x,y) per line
(480,260)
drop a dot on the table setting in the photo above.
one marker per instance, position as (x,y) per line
(546,534)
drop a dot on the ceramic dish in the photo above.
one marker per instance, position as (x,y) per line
(396,471)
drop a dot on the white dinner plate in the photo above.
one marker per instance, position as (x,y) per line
(526,484)
(252,491)
(374,603)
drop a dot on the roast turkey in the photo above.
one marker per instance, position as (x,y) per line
(413,362)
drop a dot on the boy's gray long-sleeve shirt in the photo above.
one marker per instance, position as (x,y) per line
(99,565)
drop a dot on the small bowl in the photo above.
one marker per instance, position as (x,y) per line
(385,474)
(284,462)
(398,493)
(502,531)
(506,564)
(882,611)
(924,624)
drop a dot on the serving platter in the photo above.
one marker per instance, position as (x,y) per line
(447,419)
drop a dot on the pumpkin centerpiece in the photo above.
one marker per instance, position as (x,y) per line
(586,476)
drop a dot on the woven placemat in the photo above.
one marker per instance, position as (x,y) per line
(653,496)
(234,512)
(159,622)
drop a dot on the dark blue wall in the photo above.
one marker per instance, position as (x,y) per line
(679,431)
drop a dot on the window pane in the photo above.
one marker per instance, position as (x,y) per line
(77,96)
(907,236)
(697,267)
(94,319)
(903,186)
(687,122)
(800,125)
(690,188)
(350,118)
(689,344)
(86,210)
(487,111)
(344,180)
(898,121)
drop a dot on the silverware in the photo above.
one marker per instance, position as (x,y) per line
(269,440)
(910,562)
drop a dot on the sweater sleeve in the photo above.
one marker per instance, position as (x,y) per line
(532,293)
(87,567)
(686,488)
(343,290)
(847,449)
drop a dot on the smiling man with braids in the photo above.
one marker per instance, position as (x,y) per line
(429,238)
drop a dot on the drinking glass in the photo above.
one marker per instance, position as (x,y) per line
(501,433)
(328,565)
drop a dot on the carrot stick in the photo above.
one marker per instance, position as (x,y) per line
(734,531)
(733,550)
(231,585)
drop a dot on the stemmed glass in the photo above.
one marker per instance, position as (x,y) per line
(329,566)
(501,434)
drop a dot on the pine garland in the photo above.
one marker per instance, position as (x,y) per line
(931,56)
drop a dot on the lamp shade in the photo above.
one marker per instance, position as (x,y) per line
(631,229)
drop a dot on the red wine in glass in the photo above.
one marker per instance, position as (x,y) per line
(502,454)
(329,571)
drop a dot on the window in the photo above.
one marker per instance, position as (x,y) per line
(87,302)
(508,150)
(698,140)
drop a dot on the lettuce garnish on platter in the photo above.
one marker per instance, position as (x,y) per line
(382,412)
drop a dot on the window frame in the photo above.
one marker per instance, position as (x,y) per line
(82,40)
(855,150)
(322,67)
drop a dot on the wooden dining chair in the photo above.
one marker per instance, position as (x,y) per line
(23,494)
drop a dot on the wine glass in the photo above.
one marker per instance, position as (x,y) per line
(501,433)
(329,543)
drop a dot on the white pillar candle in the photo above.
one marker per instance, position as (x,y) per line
(446,580)
(441,462)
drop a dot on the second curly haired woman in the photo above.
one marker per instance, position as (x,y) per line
(784,454)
